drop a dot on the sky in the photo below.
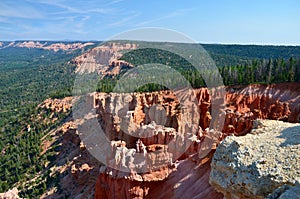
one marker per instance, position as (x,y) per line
(205,21)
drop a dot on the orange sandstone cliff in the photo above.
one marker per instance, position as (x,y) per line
(187,175)
(173,132)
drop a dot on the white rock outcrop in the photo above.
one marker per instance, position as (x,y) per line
(10,194)
(264,163)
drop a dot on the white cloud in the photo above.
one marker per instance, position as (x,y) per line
(168,16)
(16,10)
(124,20)
(114,2)
(86,8)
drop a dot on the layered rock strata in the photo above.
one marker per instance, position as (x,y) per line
(144,125)
(104,59)
(245,104)
(153,126)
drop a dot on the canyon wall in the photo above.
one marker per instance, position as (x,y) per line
(245,104)
(73,167)
(147,122)
(152,124)
(161,143)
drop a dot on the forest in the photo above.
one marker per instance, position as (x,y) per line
(238,68)
(29,76)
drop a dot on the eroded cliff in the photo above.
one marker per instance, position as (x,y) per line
(104,59)
(245,104)
(242,105)
(152,124)
(148,157)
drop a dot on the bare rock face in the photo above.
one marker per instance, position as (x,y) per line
(187,178)
(10,194)
(245,104)
(104,59)
(57,105)
(144,125)
(286,192)
(155,119)
(67,47)
(76,169)
(255,165)
(44,45)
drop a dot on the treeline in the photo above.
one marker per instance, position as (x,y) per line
(253,51)
(262,71)
(243,72)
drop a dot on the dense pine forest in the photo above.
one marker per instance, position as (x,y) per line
(29,76)
(242,65)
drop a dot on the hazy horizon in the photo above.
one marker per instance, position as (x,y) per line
(94,40)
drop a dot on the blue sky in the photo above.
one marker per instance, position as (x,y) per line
(206,21)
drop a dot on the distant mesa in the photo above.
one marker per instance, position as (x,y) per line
(65,46)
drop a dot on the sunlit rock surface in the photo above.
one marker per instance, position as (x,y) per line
(255,165)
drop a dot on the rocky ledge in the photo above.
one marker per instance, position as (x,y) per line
(10,194)
(262,164)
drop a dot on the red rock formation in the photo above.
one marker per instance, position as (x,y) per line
(245,104)
(57,105)
(67,47)
(55,47)
(187,178)
(156,118)
(153,121)
(144,124)
(104,59)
